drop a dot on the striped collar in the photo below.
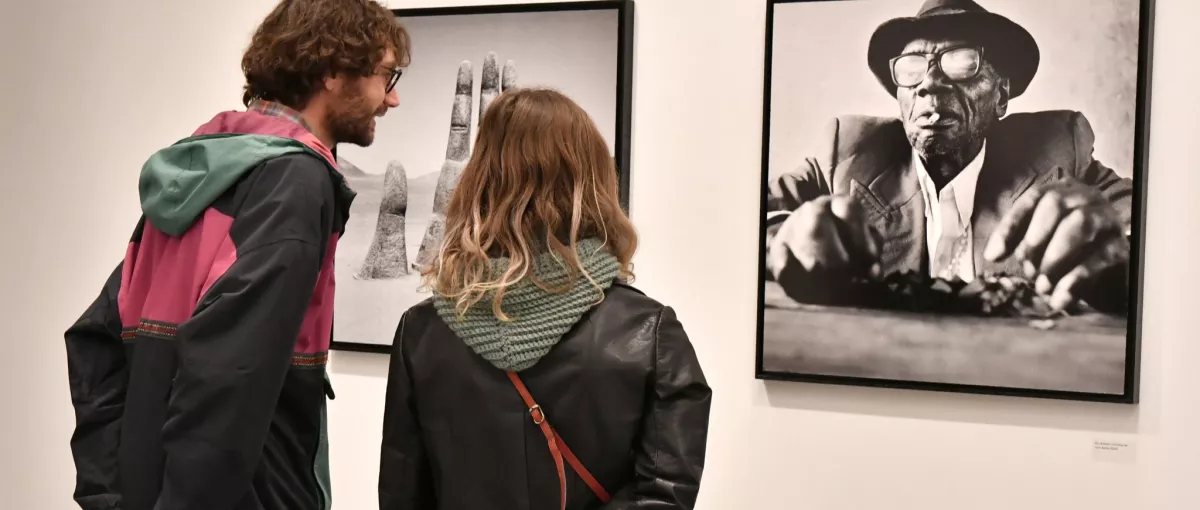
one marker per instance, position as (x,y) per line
(275,109)
(279,110)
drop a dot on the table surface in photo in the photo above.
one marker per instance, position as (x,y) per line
(1077,353)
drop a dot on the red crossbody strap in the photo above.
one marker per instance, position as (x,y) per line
(558,447)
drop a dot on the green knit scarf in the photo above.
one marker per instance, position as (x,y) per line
(537,319)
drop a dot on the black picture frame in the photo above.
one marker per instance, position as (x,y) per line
(1129,393)
(624,90)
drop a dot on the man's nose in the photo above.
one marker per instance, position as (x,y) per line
(392,99)
(935,82)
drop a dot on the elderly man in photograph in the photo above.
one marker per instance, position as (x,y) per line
(952,188)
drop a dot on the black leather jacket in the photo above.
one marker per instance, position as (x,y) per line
(623,388)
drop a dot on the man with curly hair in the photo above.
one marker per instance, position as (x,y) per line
(198,374)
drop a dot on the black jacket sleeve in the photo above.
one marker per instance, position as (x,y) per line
(1118,190)
(235,350)
(810,180)
(98,376)
(669,464)
(405,478)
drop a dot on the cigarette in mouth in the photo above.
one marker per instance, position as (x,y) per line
(933,118)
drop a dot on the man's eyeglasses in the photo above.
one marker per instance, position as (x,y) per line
(960,63)
(395,77)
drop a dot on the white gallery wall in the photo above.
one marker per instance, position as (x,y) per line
(91,88)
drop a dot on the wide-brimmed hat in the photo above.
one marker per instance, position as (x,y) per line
(1010,48)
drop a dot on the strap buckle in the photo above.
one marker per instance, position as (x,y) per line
(554,442)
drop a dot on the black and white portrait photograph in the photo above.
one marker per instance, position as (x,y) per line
(462,58)
(953,195)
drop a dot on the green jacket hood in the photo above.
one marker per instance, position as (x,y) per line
(179,182)
(537,318)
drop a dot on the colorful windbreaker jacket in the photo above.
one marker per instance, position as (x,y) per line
(198,374)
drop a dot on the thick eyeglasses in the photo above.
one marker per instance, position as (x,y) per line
(960,63)
(395,77)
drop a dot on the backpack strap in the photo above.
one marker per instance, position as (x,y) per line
(558,448)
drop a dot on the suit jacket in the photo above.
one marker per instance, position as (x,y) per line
(870,159)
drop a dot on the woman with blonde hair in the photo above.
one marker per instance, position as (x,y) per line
(535,377)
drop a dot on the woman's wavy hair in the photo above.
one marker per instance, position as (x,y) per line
(301,42)
(540,178)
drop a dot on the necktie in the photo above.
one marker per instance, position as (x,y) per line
(953,241)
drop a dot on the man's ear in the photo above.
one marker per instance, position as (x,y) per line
(333,82)
(1002,86)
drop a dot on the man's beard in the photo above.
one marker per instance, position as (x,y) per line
(940,146)
(349,120)
(933,145)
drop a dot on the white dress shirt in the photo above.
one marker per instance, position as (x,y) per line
(959,195)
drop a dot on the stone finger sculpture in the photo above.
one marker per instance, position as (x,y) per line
(490,86)
(458,149)
(493,83)
(509,79)
(388,255)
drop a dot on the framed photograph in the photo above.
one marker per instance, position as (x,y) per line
(462,58)
(953,195)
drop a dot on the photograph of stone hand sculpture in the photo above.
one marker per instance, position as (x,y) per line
(396,223)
